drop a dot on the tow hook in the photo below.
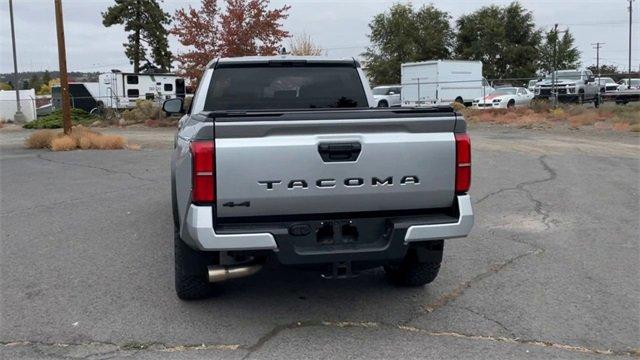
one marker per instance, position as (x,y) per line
(219,273)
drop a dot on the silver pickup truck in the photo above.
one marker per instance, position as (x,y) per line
(285,157)
(578,86)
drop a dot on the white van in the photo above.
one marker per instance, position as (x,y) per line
(436,82)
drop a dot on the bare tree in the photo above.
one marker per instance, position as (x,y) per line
(303,45)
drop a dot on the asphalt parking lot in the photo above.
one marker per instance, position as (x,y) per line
(551,269)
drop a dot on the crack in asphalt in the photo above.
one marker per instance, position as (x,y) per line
(107,170)
(303,324)
(114,349)
(521,341)
(135,347)
(459,290)
(501,325)
(538,205)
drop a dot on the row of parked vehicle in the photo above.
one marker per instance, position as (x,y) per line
(606,84)
(430,83)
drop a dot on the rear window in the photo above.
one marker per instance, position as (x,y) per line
(285,87)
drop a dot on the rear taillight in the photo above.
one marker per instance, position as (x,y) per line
(204,175)
(463,163)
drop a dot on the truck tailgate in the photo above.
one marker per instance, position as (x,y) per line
(334,162)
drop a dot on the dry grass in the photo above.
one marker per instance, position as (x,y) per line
(539,114)
(584,119)
(80,138)
(63,143)
(41,139)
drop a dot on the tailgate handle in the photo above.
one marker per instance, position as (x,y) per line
(335,152)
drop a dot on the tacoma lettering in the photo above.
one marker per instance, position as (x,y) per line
(329,183)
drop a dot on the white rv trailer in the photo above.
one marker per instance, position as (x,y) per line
(121,90)
(434,82)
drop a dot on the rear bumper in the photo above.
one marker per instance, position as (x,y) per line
(461,228)
(199,232)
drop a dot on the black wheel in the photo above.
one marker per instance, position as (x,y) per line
(191,270)
(383,104)
(419,267)
(511,104)
(459,100)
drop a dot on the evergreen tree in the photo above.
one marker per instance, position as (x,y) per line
(145,21)
(46,77)
(567,55)
(34,82)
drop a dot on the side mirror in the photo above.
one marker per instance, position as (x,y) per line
(173,106)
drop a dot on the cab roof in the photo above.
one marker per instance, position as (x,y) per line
(281,59)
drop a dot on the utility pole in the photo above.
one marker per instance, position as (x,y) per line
(18,117)
(64,79)
(630,32)
(555,66)
(598,45)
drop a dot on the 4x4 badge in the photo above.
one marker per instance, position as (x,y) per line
(232,204)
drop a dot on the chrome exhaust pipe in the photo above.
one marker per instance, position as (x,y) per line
(219,273)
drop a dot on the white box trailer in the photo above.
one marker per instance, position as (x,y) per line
(434,82)
(121,90)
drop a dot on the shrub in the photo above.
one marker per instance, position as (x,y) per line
(63,143)
(80,138)
(108,142)
(458,106)
(54,120)
(558,114)
(539,105)
(144,110)
(40,139)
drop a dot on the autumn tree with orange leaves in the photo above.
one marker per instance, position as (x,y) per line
(246,27)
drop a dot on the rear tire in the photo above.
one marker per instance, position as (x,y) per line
(511,104)
(459,100)
(191,271)
(383,104)
(413,271)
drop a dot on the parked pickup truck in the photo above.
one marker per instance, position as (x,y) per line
(577,86)
(286,157)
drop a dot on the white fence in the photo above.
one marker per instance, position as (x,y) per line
(8,104)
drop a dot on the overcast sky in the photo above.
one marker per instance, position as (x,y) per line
(338,26)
